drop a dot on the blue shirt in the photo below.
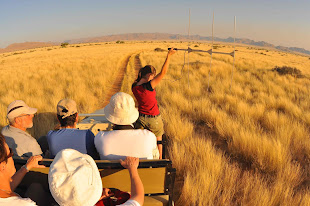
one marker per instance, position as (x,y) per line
(80,140)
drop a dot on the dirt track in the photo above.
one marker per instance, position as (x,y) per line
(138,64)
(117,84)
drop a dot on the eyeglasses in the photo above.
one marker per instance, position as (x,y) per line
(23,115)
(9,155)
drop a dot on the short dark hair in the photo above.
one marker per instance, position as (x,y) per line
(3,152)
(68,121)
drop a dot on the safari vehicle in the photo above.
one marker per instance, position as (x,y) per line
(157,175)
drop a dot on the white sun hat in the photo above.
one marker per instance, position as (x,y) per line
(121,110)
(74,179)
(17,108)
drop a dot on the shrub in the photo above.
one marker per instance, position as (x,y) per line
(64,44)
(159,49)
(196,45)
(286,70)
(120,42)
(49,49)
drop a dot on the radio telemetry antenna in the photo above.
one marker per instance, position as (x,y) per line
(189,50)
(211,52)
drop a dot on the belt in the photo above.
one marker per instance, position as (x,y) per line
(150,116)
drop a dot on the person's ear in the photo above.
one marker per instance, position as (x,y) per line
(58,119)
(77,117)
(17,121)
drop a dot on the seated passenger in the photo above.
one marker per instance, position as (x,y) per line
(124,140)
(68,136)
(74,179)
(10,179)
(20,117)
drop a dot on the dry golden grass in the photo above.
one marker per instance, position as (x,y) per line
(244,146)
(247,146)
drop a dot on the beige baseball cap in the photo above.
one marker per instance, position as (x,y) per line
(121,109)
(66,108)
(74,179)
(17,108)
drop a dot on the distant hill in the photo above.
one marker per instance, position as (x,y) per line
(165,36)
(151,36)
(26,45)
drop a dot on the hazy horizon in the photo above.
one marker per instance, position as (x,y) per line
(282,23)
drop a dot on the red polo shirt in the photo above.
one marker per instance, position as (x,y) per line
(146,97)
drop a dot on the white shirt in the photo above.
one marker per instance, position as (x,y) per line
(117,144)
(131,203)
(16,201)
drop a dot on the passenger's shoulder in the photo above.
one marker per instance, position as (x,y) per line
(100,133)
(51,132)
(5,128)
(131,203)
(18,201)
(146,132)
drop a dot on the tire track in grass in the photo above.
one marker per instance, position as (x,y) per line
(117,84)
(138,64)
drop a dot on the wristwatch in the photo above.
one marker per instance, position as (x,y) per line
(24,166)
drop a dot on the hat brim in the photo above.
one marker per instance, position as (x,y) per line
(131,116)
(24,110)
(31,110)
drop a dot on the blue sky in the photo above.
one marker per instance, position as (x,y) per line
(280,22)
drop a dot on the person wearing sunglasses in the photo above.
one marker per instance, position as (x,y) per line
(10,179)
(20,117)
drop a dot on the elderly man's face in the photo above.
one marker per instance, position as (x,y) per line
(26,120)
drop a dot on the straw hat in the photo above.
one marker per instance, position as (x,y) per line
(121,110)
(74,179)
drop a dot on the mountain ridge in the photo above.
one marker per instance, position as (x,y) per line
(151,36)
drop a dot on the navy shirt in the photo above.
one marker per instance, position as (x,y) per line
(80,140)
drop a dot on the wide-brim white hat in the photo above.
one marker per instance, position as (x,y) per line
(19,107)
(74,179)
(121,109)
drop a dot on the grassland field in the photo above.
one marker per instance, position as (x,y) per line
(245,143)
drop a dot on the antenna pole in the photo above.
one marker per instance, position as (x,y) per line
(232,72)
(189,27)
(211,52)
